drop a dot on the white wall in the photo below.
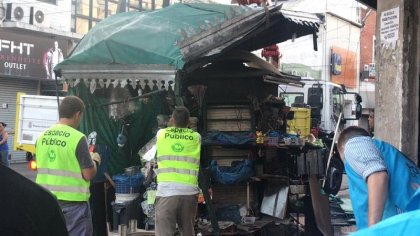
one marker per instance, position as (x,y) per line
(367,91)
(343,34)
(345,9)
(336,32)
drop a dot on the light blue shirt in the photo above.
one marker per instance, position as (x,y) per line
(365,156)
(406,224)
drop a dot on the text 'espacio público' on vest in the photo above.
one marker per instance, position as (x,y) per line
(179,133)
(52,137)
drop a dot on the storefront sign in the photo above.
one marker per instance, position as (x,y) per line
(29,56)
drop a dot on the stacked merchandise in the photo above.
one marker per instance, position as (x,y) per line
(148,206)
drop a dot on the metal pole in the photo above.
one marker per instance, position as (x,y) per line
(134,98)
(332,147)
(56,90)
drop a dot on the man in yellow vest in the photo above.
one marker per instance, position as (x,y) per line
(65,166)
(178,157)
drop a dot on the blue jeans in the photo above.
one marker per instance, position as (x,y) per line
(4,157)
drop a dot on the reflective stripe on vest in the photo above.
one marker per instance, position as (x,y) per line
(63,173)
(178,158)
(58,167)
(70,189)
(179,171)
(178,155)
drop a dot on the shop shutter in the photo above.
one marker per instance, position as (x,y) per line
(8,90)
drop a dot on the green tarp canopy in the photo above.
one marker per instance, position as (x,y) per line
(141,47)
(181,34)
(139,126)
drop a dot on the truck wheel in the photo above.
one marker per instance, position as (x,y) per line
(334,176)
(29,156)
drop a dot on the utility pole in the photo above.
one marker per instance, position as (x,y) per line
(397,87)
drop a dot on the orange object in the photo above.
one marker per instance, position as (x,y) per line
(91,148)
(32,165)
(201,198)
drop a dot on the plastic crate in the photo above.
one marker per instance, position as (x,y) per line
(128,183)
(301,123)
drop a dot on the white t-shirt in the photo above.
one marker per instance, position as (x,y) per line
(167,189)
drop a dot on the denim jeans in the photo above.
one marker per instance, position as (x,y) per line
(4,157)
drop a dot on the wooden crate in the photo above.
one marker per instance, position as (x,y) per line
(229,112)
(232,194)
(229,118)
(225,156)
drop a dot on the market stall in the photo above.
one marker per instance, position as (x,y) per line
(133,68)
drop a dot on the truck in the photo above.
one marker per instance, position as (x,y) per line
(327,101)
(34,114)
(332,108)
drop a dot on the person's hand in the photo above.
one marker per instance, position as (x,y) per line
(96,158)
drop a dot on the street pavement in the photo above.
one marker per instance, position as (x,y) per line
(23,169)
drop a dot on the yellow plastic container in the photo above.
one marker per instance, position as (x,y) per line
(301,123)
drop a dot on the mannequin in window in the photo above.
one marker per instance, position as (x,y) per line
(51,59)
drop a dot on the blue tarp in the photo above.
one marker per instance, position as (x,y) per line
(216,137)
(232,175)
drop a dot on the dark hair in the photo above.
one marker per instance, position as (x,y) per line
(181,117)
(3,124)
(70,106)
(350,132)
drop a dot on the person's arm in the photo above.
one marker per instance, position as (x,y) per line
(5,136)
(88,167)
(377,194)
(89,173)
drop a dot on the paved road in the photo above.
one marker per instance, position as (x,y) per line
(22,168)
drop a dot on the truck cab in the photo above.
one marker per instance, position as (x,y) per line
(34,114)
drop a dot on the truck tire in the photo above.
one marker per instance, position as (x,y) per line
(334,175)
(29,156)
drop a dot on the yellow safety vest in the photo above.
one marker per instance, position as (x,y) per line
(178,155)
(58,168)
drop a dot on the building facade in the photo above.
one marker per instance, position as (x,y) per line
(367,62)
(87,13)
(34,37)
(336,55)
(367,44)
